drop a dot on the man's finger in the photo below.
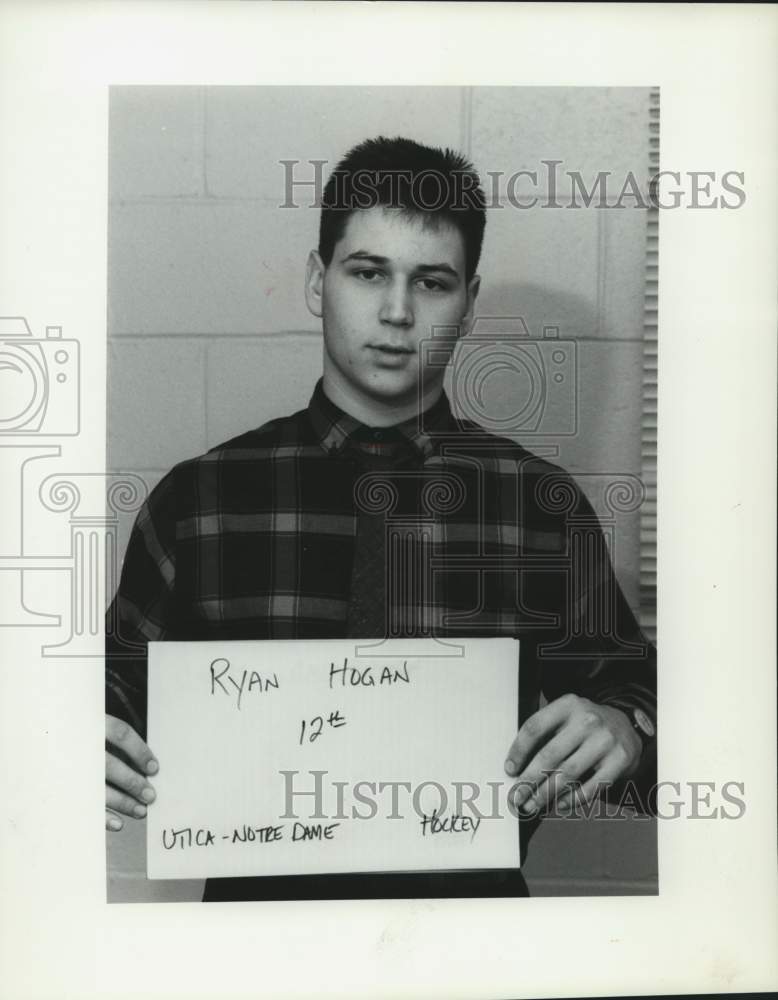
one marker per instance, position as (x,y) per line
(121,735)
(549,759)
(112,821)
(536,730)
(587,756)
(126,780)
(599,781)
(122,803)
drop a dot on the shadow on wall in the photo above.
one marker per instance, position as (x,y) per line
(572,394)
(594,390)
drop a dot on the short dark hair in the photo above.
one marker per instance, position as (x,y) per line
(424,181)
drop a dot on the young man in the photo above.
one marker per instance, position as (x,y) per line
(271,535)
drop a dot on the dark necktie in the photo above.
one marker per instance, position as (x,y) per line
(367,613)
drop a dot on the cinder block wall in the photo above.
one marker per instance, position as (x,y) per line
(209,334)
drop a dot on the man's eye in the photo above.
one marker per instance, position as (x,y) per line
(432,285)
(368,274)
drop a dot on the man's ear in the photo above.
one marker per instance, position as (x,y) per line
(314,283)
(473,287)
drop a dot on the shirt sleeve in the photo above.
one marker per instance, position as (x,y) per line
(143,608)
(600,651)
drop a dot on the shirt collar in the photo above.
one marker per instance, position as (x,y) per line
(334,427)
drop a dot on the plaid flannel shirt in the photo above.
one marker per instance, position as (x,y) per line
(256,540)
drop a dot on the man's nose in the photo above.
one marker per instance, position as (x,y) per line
(397,307)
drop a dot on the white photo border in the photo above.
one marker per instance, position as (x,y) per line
(714,924)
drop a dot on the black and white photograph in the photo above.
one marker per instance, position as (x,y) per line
(384,536)
(294,275)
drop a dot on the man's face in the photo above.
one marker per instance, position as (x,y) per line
(391,282)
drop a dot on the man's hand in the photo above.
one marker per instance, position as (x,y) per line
(578,740)
(126,788)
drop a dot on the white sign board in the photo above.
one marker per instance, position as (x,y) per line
(312,757)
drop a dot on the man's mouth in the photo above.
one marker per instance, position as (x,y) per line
(391,350)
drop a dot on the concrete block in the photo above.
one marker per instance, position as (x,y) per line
(602,399)
(623,273)
(609,410)
(253,380)
(543,265)
(599,399)
(590,129)
(208,267)
(579,393)
(250,129)
(155,142)
(607,445)
(156,412)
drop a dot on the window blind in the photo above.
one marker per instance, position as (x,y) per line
(648,438)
